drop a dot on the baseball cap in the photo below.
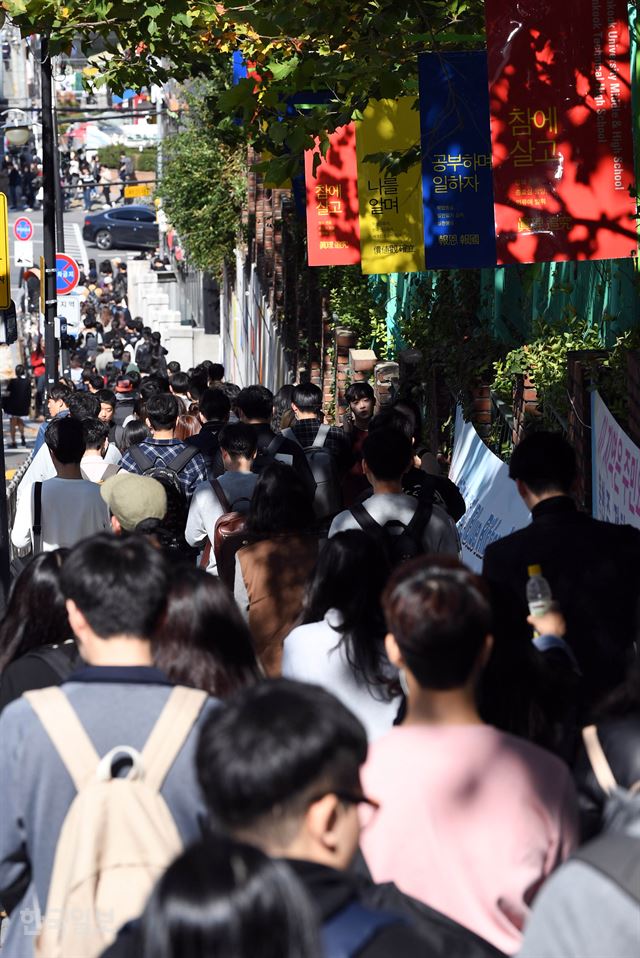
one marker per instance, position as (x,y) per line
(132,498)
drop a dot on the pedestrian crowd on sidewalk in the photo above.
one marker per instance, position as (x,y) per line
(253,704)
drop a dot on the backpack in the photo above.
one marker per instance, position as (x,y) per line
(265,457)
(229,535)
(91,345)
(118,835)
(143,358)
(399,541)
(351,929)
(327,500)
(175,520)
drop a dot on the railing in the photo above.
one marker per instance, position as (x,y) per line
(12,500)
(500,439)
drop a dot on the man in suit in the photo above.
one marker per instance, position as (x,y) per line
(593,569)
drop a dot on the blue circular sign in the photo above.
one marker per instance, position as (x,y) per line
(67,274)
(23,228)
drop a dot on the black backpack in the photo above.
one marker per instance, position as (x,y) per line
(91,345)
(266,456)
(327,500)
(399,541)
(143,358)
(174,523)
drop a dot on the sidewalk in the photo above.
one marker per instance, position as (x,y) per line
(15,457)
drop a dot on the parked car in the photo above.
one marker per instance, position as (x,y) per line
(122,226)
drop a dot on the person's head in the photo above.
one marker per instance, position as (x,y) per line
(279,766)
(126,357)
(543,464)
(362,401)
(65,440)
(411,410)
(439,624)
(133,499)
(281,503)
(215,373)
(20,371)
(107,404)
(306,399)
(387,454)
(83,405)
(226,899)
(392,418)
(161,412)
(203,640)
(172,368)
(350,574)
(115,589)
(282,411)
(36,613)
(238,444)
(134,433)
(254,404)
(94,381)
(187,425)
(96,435)
(58,398)
(198,383)
(179,384)
(118,351)
(214,406)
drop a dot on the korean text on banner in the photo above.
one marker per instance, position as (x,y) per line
(457,186)
(391,231)
(494,508)
(616,468)
(333,226)
(561,122)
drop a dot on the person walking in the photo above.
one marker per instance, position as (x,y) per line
(16,404)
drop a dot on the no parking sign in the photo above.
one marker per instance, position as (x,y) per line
(67,274)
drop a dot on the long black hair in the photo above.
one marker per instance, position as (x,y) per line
(225,899)
(350,575)
(203,641)
(36,612)
(281,503)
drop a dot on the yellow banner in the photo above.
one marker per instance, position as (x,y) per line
(143,189)
(5,262)
(391,231)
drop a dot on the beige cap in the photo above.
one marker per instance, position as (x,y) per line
(132,498)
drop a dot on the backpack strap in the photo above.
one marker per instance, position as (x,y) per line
(595,753)
(66,732)
(288,433)
(350,930)
(366,521)
(170,733)
(219,491)
(419,520)
(617,857)
(141,460)
(274,445)
(321,437)
(37,517)
(181,460)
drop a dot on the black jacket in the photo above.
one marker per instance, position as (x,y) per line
(207,442)
(265,435)
(593,569)
(37,669)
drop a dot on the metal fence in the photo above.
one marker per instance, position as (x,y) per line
(12,501)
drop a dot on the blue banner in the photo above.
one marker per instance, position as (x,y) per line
(457,185)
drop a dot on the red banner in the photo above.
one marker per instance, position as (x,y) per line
(561,129)
(333,225)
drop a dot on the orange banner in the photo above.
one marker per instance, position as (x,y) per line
(333,226)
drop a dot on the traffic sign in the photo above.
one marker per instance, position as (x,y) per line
(67,274)
(23,252)
(142,189)
(23,228)
(5,264)
(69,308)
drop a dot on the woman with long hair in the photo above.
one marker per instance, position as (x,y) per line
(340,643)
(187,425)
(203,640)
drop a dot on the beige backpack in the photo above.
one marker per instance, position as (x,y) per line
(118,835)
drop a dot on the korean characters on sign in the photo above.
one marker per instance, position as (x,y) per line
(333,227)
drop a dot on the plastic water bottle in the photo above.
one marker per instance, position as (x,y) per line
(539,596)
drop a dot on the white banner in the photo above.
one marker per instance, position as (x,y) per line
(615,468)
(494,508)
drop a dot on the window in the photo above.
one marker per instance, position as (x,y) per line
(129,215)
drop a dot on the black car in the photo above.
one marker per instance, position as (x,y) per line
(122,226)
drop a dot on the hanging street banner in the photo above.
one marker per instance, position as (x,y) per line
(615,469)
(561,122)
(333,225)
(457,186)
(5,262)
(391,230)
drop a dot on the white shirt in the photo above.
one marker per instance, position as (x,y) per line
(312,653)
(72,509)
(205,508)
(440,534)
(42,468)
(94,467)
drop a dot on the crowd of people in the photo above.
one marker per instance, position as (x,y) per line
(253,705)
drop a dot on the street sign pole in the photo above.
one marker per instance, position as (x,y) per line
(5,303)
(48,279)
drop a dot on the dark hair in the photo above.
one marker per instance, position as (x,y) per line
(440,617)
(65,439)
(231,391)
(281,405)
(180,383)
(134,378)
(187,425)
(281,503)
(198,383)
(229,900)
(238,439)
(392,418)
(36,613)
(134,433)
(410,409)
(117,351)
(203,641)
(270,747)
(172,367)
(255,402)
(216,372)
(350,575)
(307,396)
(162,410)
(94,380)
(214,405)
(60,391)
(387,453)
(359,390)
(118,583)
(107,396)
(83,405)
(19,370)
(95,431)
(545,461)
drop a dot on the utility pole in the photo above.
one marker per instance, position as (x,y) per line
(48,279)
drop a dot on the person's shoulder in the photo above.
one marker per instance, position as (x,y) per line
(532,756)
(17,721)
(344,520)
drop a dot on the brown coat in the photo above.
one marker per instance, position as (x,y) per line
(275,573)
